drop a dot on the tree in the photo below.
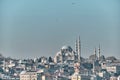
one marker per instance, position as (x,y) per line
(50,59)
(39,60)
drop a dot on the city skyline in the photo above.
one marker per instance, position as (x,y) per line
(30,29)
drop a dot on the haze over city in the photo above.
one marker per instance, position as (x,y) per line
(30,29)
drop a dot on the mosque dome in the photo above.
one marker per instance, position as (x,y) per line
(66,48)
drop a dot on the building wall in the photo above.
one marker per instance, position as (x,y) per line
(28,76)
(114,69)
(80,78)
(118,78)
(113,78)
(47,77)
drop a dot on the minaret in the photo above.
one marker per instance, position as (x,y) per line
(95,54)
(61,56)
(79,49)
(99,53)
(93,67)
(76,47)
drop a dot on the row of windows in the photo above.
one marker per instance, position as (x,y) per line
(28,76)
(28,79)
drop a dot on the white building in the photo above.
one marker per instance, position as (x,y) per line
(46,77)
(118,78)
(44,60)
(104,74)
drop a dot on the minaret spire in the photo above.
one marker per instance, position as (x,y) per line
(94,72)
(95,54)
(79,49)
(94,61)
(95,51)
(99,52)
(76,47)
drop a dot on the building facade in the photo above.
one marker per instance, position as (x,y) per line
(28,75)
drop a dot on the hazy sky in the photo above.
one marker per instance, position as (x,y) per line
(34,28)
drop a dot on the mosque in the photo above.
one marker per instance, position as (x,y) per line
(68,55)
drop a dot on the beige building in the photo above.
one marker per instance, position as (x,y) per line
(34,75)
(113,78)
(80,77)
(28,75)
(114,69)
